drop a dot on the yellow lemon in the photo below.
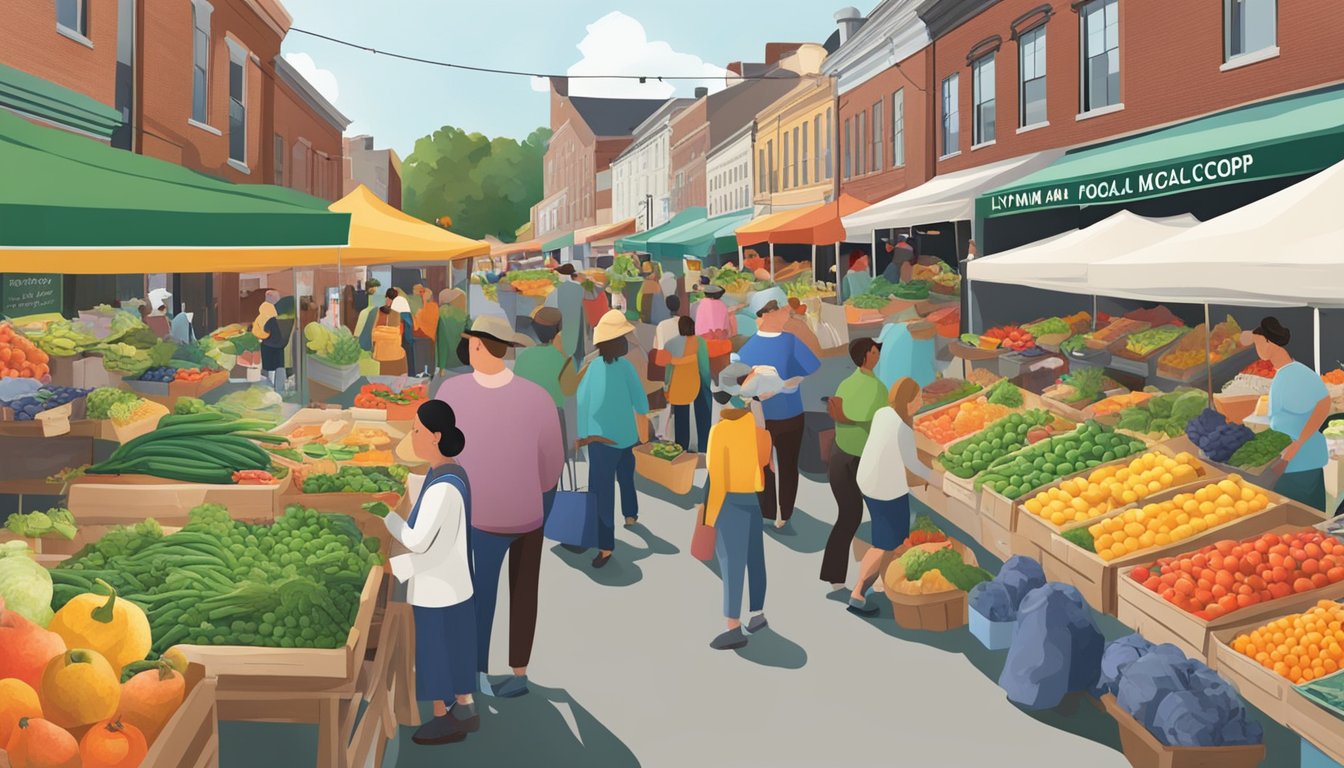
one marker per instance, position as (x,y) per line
(1198,524)
(1181,532)
(1163,539)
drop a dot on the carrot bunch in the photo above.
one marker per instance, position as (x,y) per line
(192,374)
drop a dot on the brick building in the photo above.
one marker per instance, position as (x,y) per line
(587,135)
(1010,78)
(690,152)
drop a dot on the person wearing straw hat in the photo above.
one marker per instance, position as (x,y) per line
(773,346)
(610,394)
(513,456)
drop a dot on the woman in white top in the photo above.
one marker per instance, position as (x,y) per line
(439,570)
(888,454)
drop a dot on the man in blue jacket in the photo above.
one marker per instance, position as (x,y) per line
(773,346)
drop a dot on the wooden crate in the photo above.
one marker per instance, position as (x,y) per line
(1259,686)
(129,499)
(961,490)
(1316,725)
(676,475)
(1143,750)
(1089,568)
(190,739)
(996,538)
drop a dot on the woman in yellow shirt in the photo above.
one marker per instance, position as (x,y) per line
(738,451)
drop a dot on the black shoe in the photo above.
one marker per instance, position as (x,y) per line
(601,560)
(450,728)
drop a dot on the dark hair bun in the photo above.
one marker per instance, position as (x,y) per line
(438,417)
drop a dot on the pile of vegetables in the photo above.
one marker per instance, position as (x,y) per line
(44,399)
(162,374)
(1073,344)
(1011,337)
(136,410)
(381,396)
(56,521)
(66,338)
(186,406)
(924,531)
(291,584)
(958,421)
(1055,457)
(1262,368)
(1216,436)
(196,448)
(946,567)
(943,391)
(369,480)
(1119,329)
(337,346)
(665,450)
(25,586)
(125,359)
(101,399)
(624,269)
(1260,450)
(1191,351)
(1118,403)
(1147,342)
(1167,414)
(257,402)
(1081,387)
(1048,327)
(1005,393)
(881,291)
(532,282)
(973,455)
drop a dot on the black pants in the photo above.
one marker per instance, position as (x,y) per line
(843,474)
(787,437)
(681,418)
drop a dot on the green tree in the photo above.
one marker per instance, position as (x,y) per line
(488,186)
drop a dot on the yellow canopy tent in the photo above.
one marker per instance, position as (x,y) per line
(381,235)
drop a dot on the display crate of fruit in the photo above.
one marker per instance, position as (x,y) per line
(1161,621)
(1115,333)
(1139,353)
(197,383)
(1074,558)
(399,405)
(190,738)
(1143,750)
(1039,519)
(667,465)
(1257,681)
(936,429)
(345,490)
(969,456)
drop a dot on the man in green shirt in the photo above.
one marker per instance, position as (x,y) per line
(547,365)
(858,398)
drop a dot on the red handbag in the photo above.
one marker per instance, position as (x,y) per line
(702,541)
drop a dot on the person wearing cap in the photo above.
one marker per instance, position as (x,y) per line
(569,300)
(887,468)
(787,354)
(610,394)
(546,365)
(513,456)
(857,280)
(712,318)
(1299,404)
(739,452)
(903,260)
(857,400)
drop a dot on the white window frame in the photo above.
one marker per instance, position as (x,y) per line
(238,54)
(1087,103)
(1039,41)
(201,12)
(1233,60)
(80,32)
(879,138)
(983,132)
(949,116)
(898,128)
(807,159)
(279,171)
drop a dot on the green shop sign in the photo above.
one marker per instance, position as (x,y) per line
(31,294)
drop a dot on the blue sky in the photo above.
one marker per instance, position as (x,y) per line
(398,102)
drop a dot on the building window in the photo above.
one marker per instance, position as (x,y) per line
(795,156)
(878,137)
(861,149)
(279,160)
(816,146)
(849,152)
(951,116)
(829,144)
(1031,61)
(770,154)
(237,103)
(785,160)
(898,128)
(200,61)
(1101,54)
(982,100)
(1251,26)
(73,15)
(760,163)
(807,160)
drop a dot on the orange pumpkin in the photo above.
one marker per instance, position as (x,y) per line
(151,697)
(38,743)
(17,700)
(112,744)
(25,648)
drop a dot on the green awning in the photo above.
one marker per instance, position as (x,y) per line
(640,241)
(563,241)
(695,238)
(61,190)
(45,100)
(1289,136)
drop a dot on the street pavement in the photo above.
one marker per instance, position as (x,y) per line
(622,675)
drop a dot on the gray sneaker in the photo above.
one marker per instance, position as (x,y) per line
(861,607)
(484,685)
(729,641)
(450,728)
(757,623)
(511,687)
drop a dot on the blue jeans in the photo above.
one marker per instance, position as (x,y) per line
(607,466)
(524,551)
(681,418)
(740,546)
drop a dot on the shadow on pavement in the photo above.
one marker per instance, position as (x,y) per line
(621,570)
(545,727)
(771,649)
(804,534)
(659,493)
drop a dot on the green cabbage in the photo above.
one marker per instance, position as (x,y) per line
(25,586)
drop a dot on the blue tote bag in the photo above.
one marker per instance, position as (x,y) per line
(573,516)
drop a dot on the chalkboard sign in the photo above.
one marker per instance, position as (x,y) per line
(30,294)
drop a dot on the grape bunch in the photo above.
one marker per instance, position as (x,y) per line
(161,375)
(26,408)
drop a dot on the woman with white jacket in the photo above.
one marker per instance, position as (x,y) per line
(888,459)
(439,570)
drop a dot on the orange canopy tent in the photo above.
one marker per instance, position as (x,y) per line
(818,225)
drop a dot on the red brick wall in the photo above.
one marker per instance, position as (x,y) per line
(913,76)
(1170,55)
(165,88)
(306,132)
(572,160)
(29,42)
(690,145)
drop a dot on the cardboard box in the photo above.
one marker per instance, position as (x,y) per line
(1143,750)
(129,499)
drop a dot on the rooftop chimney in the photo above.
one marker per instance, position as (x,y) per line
(848,20)
(701,92)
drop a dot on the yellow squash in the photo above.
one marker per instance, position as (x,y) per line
(117,629)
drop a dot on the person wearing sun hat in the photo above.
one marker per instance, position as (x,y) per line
(1299,404)
(774,346)
(610,394)
(507,420)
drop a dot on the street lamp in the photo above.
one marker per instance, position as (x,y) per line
(647,206)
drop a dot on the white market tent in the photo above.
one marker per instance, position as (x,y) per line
(1286,249)
(947,197)
(1061,263)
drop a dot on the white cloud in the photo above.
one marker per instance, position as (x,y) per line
(324,80)
(617,44)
